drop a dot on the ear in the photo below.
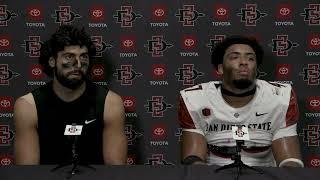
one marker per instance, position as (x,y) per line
(220,69)
(52,62)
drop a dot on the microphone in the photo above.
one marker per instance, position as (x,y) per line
(73,131)
(240,133)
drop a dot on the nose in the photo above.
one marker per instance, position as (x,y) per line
(243,60)
(78,63)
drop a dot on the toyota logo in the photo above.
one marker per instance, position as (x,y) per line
(158,71)
(128,103)
(130,161)
(35,12)
(284,11)
(36,71)
(98,72)
(5,161)
(97,13)
(283,70)
(4,42)
(221,11)
(189,42)
(314,103)
(127,43)
(5,103)
(315,41)
(158,131)
(315,162)
(159,12)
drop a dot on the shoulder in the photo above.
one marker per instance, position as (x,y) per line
(199,88)
(274,88)
(113,98)
(25,111)
(25,100)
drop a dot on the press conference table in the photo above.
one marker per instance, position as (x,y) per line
(141,172)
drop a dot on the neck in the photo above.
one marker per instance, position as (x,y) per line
(238,97)
(67,94)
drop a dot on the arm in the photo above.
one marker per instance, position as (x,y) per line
(26,144)
(114,139)
(285,146)
(193,143)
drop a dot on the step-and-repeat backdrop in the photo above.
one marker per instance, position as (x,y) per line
(149,50)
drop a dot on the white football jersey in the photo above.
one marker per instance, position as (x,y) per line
(270,115)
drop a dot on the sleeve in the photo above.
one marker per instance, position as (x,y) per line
(291,119)
(185,120)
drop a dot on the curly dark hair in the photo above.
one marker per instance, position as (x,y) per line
(65,35)
(220,49)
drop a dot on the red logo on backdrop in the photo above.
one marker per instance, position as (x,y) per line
(283,71)
(311,135)
(5,43)
(215,40)
(129,103)
(156,46)
(221,12)
(189,42)
(6,135)
(281,45)
(216,74)
(312,14)
(97,13)
(125,75)
(314,41)
(36,71)
(6,159)
(97,72)
(128,42)
(313,103)
(35,12)
(131,159)
(64,15)
(6,74)
(250,14)
(188,74)
(157,106)
(32,46)
(159,132)
(159,71)
(284,11)
(313,161)
(311,74)
(6,103)
(100,45)
(126,16)
(5,15)
(159,12)
(188,15)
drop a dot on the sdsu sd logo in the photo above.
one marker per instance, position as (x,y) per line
(250,14)
(214,41)
(126,74)
(312,14)
(131,134)
(100,45)
(311,135)
(32,46)
(125,16)
(281,45)
(157,159)
(156,46)
(188,15)
(64,15)
(6,135)
(311,74)
(156,106)
(6,74)
(5,15)
(188,74)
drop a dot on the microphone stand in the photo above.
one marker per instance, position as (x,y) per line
(238,162)
(75,161)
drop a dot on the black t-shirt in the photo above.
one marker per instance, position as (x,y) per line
(53,116)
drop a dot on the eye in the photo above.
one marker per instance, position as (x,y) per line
(84,57)
(68,57)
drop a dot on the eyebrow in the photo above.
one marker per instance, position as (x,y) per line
(237,53)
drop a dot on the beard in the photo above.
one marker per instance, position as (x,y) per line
(70,83)
(242,83)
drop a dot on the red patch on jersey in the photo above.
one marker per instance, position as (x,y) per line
(185,119)
(292,115)
(206,112)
